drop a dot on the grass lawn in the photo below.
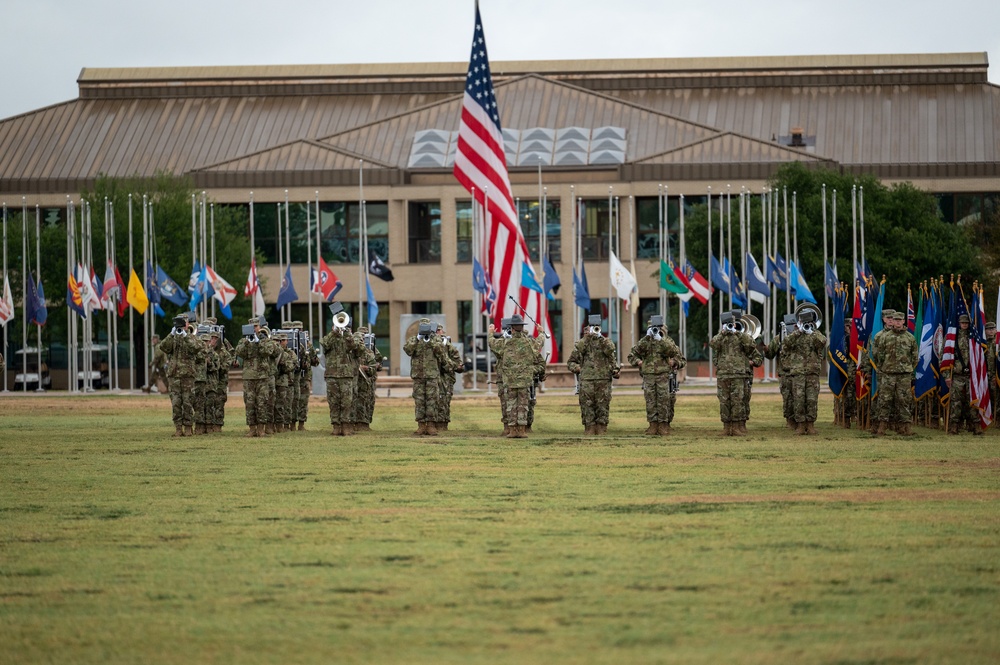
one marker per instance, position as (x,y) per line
(120,544)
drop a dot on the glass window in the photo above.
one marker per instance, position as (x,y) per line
(463,223)
(425,307)
(528,216)
(463,333)
(339,230)
(648,221)
(425,232)
(556,320)
(968,208)
(594,225)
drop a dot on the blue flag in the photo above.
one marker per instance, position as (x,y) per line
(755,280)
(528,279)
(739,297)
(777,272)
(581,290)
(840,360)
(372,306)
(717,274)
(831,280)
(152,284)
(34,302)
(550,282)
(158,311)
(800,290)
(927,367)
(287,292)
(478,277)
(874,330)
(169,289)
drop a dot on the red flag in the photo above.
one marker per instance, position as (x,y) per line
(911,318)
(860,388)
(122,296)
(329,284)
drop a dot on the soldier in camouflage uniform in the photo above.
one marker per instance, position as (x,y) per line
(895,354)
(199,398)
(184,354)
(284,376)
(991,368)
(519,364)
(256,354)
(454,366)
(539,342)
(218,383)
(157,367)
(496,341)
(364,408)
(343,353)
(594,360)
(735,355)
(658,359)
(772,352)
(308,358)
(848,399)
(427,357)
(957,378)
(803,350)
(866,365)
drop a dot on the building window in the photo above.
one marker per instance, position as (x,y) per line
(424,307)
(528,216)
(594,225)
(339,230)
(463,224)
(556,320)
(425,232)
(647,238)
(463,333)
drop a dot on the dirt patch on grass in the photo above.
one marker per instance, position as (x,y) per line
(852,496)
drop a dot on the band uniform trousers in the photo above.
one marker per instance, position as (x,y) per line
(340,394)
(962,413)
(787,405)
(280,404)
(257,399)
(302,407)
(659,400)
(732,399)
(595,401)
(805,397)
(181,401)
(426,399)
(517,404)
(895,397)
(199,403)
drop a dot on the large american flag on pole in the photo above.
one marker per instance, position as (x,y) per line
(481,168)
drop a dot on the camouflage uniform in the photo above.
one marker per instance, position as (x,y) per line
(772,352)
(895,354)
(199,398)
(657,361)
(991,368)
(962,413)
(497,345)
(594,360)
(218,385)
(364,409)
(308,358)
(735,356)
(257,359)
(867,368)
(519,366)
(343,353)
(803,354)
(848,398)
(184,354)
(454,366)
(284,377)
(426,360)
(539,343)
(158,367)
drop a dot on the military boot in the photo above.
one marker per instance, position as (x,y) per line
(800,428)
(178,431)
(588,429)
(740,428)
(811,428)
(506,429)
(727,429)
(527,429)
(790,423)
(442,426)
(846,424)
(663,429)
(905,429)
(880,428)
(511,432)
(653,428)
(250,432)
(302,426)
(430,428)
(602,428)
(522,432)
(347,429)
(188,431)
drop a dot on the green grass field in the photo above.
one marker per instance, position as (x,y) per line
(119,544)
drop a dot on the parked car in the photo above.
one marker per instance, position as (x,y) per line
(100,376)
(482,356)
(29,375)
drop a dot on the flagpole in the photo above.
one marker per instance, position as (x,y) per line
(288,257)
(722,254)
(124,294)
(765,245)
(486,223)
(194,243)
(611,248)
(87,249)
(147,210)
(280,249)
(854,221)
(661,293)
(24,297)
(618,247)
(711,366)
(4,295)
(631,237)
(319,247)
(826,291)
(476,306)
(833,219)
(202,241)
(861,216)
(682,258)
(38,272)
(212,243)
(69,311)
(309,261)
(741,219)
(361,220)
(108,316)
(788,257)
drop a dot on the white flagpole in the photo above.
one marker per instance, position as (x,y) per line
(611,248)
(69,312)
(486,226)
(826,300)
(631,238)
(280,250)
(131,330)
(288,255)
(88,327)
(834,225)
(121,294)
(861,217)
(107,312)
(6,325)
(24,297)
(711,367)
(795,229)
(253,296)
(741,218)
(788,258)
(309,261)
(476,307)
(319,301)
(38,273)
(147,209)
(212,246)
(729,244)
(202,242)
(854,223)
(361,259)
(682,261)
(661,293)
(618,252)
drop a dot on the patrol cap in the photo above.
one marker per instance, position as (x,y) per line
(425,320)
(516,320)
(990,325)
(211,320)
(899,316)
(280,337)
(363,329)
(295,325)
(655,321)
(253,321)
(964,318)
(594,320)
(286,324)
(887,313)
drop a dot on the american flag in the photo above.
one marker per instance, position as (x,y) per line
(911,318)
(481,168)
(950,331)
(980,383)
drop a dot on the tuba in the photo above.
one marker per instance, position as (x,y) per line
(341,320)
(750,325)
(809,307)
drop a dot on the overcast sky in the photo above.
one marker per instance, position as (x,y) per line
(47,42)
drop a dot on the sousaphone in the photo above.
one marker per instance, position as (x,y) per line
(809,307)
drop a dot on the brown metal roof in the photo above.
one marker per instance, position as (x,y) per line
(730,148)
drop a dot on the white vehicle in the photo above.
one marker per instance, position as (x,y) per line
(25,363)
